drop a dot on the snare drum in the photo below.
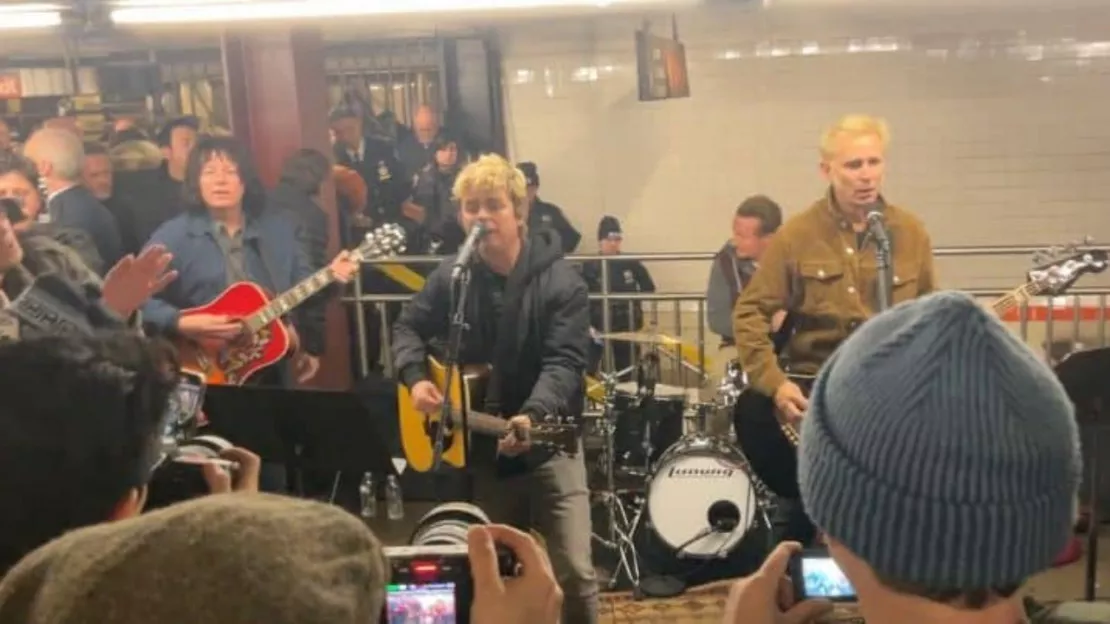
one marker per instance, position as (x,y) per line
(644,428)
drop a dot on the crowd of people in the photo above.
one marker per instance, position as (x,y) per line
(939,458)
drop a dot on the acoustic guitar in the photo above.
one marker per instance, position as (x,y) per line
(265,338)
(770,444)
(468,389)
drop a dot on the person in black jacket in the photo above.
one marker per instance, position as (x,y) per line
(543,214)
(625,276)
(528,317)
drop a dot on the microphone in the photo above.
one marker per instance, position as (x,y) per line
(876,226)
(52,307)
(462,260)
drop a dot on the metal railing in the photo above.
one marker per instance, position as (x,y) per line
(680,321)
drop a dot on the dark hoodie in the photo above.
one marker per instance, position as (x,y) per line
(542,308)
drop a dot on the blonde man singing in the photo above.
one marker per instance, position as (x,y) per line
(528,317)
(822,269)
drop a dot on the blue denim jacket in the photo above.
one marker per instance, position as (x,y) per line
(274,258)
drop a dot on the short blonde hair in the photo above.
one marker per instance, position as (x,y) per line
(491,173)
(853,126)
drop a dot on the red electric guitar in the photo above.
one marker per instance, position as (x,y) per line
(265,338)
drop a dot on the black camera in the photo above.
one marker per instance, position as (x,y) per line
(179,475)
(430,581)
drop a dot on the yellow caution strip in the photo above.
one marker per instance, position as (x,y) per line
(402,275)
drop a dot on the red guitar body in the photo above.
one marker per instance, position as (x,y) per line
(232,365)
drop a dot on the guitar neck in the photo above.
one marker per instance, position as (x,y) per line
(1015,297)
(487,424)
(290,299)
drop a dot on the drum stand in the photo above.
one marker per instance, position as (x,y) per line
(621,529)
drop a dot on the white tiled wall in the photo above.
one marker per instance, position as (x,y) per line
(1000,121)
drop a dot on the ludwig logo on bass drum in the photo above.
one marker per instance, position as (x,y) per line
(701,471)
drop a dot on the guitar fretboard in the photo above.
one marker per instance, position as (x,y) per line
(295,296)
(1016,297)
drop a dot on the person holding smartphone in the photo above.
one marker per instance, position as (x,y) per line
(946,485)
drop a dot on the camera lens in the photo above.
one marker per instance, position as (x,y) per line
(447,524)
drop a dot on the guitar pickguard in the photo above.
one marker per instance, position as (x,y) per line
(239,360)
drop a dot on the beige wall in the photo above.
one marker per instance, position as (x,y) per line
(1000,119)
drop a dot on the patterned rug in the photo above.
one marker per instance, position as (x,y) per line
(701,605)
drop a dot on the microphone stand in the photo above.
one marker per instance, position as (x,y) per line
(885,287)
(460,288)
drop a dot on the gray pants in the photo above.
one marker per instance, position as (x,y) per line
(554,501)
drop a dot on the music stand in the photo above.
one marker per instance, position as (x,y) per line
(319,429)
(1085,376)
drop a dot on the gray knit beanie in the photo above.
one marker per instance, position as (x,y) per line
(227,559)
(940,450)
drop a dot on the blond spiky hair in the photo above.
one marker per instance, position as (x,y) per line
(491,173)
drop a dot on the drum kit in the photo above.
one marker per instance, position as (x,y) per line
(681,502)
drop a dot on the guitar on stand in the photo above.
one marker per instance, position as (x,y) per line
(771,444)
(265,339)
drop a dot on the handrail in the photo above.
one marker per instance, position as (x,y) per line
(666,256)
(694,296)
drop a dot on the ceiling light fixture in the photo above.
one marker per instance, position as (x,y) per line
(27,20)
(130,12)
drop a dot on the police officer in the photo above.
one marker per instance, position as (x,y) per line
(374,160)
(543,214)
(625,276)
(432,205)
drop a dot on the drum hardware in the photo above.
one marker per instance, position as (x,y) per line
(620,528)
(732,385)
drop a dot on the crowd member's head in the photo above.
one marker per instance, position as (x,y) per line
(446,152)
(58,155)
(232,559)
(425,124)
(940,456)
(97,171)
(346,127)
(756,220)
(136,155)
(531,180)
(80,432)
(853,160)
(65,122)
(222,180)
(177,139)
(491,191)
(306,170)
(19,181)
(609,235)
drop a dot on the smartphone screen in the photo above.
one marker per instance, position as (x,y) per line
(418,603)
(816,575)
(184,404)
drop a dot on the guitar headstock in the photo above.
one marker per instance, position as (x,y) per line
(1060,267)
(555,434)
(384,241)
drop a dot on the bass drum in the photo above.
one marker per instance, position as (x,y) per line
(703,519)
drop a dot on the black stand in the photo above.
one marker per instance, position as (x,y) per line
(1086,378)
(318,430)
(460,288)
(885,287)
